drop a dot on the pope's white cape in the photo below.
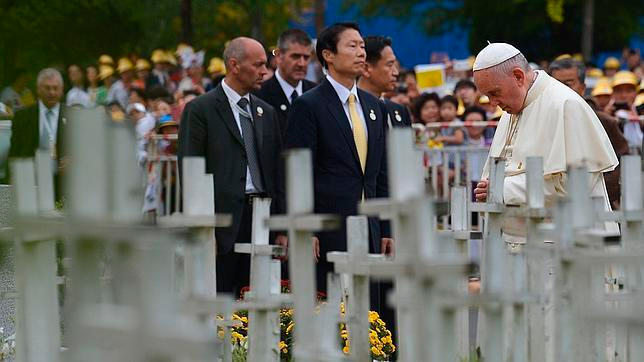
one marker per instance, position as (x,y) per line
(559,126)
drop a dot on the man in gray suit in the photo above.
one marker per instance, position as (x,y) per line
(238,134)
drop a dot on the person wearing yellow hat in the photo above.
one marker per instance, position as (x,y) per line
(119,91)
(142,68)
(611,66)
(160,73)
(625,87)
(105,60)
(602,93)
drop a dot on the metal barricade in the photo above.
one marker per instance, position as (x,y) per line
(163,190)
(454,166)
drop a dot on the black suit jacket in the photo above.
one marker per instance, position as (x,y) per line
(208,128)
(25,138)
(273,93)
(398,114)
(317,121)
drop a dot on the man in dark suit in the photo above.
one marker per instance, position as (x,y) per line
(42,126)
(238,134)
(344,127)
(292,54)
(380,75)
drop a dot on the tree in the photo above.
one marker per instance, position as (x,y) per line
(542,29)
(39,33)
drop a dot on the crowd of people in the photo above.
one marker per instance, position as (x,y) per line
(336,95)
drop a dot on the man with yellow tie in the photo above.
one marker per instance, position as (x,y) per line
(344,127)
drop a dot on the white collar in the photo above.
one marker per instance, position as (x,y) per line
(232,95)
(342,91)
(43,108)
(286,87)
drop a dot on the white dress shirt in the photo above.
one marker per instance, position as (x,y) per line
(233,98)
(343,93)
(42,119)
(287,88)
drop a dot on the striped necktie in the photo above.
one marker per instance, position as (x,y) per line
(248,133)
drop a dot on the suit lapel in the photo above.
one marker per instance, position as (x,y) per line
(337,111)
(223,107)
(257,112)
(369,109)
(280,97)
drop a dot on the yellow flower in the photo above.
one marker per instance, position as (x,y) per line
(237,337)
(283,346)
(220,334)
(290,327)
(345,349)
(375,351)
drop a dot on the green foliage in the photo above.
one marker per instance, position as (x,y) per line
(542,29)
(39,33)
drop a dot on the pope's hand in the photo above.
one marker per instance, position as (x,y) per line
(480,192)
(283,241)
(387,246)
(316,248)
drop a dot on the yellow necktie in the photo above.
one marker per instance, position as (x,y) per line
(359,134)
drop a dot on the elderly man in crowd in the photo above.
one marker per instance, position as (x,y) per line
(42,126)
(542,117)
(572,73)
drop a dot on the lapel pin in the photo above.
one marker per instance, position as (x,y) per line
(283,107)
(372,115)
(260,110)
(398,117)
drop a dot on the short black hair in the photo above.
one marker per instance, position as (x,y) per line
(420,101)
(569,63)
(139,92)
(297,36)
(329,37)
(157,91)
(373,45)
(474,109)
(450,99)
(464,83)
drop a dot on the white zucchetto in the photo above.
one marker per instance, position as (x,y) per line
(494,54)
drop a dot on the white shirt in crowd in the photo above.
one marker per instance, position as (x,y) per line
(43,124)
(78,97)
(287,88)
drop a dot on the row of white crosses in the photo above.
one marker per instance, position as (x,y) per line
(126,313)
(516,331)
(136,316)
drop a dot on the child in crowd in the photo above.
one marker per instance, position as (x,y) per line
(451,136)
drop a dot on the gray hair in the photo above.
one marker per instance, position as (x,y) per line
(569,63)
(506,67)
(49,73)
(235,49)
(293,36)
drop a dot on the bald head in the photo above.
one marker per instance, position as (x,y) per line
(238,48)
(245,60)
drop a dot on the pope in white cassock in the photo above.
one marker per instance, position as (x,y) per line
(542,117)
